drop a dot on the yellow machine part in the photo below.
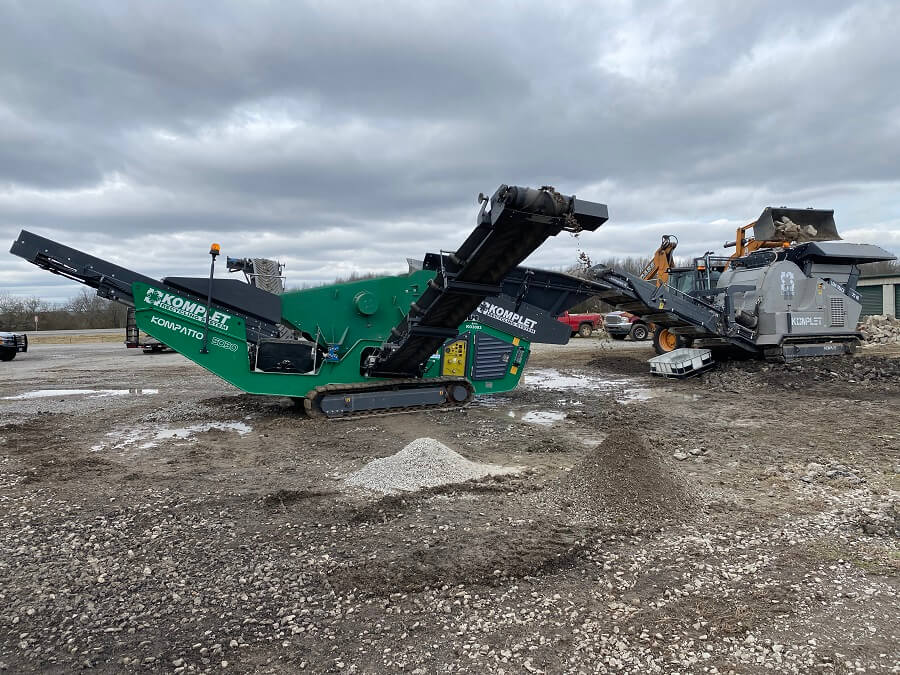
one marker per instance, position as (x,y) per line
(454,361)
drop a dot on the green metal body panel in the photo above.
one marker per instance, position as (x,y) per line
(872,300)
(343,318)
(343,314)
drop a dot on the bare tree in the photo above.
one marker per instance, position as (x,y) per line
(878,268)
(85,310)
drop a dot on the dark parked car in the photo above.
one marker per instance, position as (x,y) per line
(11,344)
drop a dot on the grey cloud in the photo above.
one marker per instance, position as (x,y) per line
(358,135)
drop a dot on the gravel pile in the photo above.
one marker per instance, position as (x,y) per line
(880,329)
(424,463)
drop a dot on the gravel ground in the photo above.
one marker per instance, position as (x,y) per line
(746,521)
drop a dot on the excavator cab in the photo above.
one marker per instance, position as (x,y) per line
(702,275)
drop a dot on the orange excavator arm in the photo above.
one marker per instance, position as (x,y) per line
(744,245)
(659,266)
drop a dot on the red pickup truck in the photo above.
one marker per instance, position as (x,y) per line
(582,324)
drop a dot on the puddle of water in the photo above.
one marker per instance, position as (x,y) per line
(149,437)
(546,418)
(683,397)
(636,394)
(90,393)
(550,378)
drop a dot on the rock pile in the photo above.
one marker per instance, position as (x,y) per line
(880,520)
(424,463)
(817,473)
(880,329)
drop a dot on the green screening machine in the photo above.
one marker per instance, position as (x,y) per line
(459,324)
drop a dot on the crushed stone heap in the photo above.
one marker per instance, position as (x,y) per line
(880,329)
(424,463)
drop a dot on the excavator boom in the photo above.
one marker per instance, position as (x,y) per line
(661,262)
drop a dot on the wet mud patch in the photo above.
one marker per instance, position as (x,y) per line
(620,364)
(280,406)
(42,434)
(391,506)
(66,469)
(549,445)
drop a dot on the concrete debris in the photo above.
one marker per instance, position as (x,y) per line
(817,473)
(787,230)
(424,463)
(880,329)
(882,520)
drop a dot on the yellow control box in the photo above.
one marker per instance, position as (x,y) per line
(454,361)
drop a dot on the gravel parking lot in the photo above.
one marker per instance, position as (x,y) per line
(153,519)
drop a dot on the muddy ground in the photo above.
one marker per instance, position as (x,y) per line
(744,521)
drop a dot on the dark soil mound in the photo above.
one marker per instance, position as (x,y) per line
(852,373)
(474,557)
(625,482)
(619,363)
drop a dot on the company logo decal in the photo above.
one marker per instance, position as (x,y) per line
(807,321)
(507,316)
(176,327)
(186,308)
(843,289)
(787,284)
(224,344)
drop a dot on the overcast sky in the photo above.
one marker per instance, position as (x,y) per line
(349,136)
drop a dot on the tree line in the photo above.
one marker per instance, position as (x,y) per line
(84,310)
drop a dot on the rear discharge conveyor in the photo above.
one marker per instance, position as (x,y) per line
(461,325)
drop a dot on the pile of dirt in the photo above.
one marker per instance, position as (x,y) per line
(619,363)
(424,463)
(803,374)
(880,329)
(625,482)
(488,556)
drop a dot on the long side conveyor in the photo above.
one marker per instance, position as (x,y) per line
(261,310)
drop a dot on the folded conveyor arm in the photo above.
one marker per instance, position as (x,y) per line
(518,222)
